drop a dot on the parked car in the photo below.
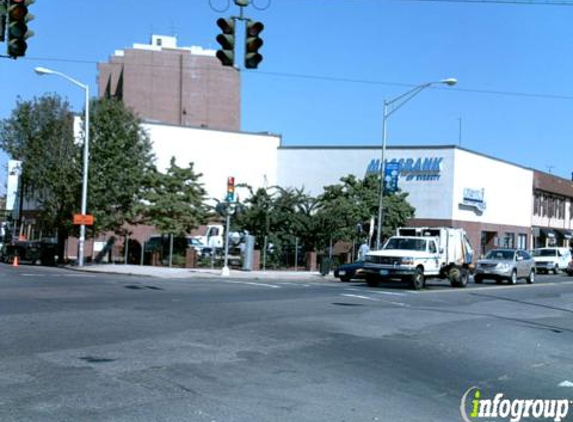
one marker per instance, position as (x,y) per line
(551,259)
(347,272)
(505,264)
(41,252)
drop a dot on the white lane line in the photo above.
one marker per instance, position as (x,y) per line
(566,383)
(359,297)
(388,293)
(272,286)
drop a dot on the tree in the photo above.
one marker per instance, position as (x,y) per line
(174,201)
(353,202)
(39,133)
(121,159)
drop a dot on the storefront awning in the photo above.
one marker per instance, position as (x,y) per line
(547,233)
(567,234)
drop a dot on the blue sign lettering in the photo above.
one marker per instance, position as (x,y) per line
(419,169)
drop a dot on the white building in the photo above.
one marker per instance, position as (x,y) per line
(498,203)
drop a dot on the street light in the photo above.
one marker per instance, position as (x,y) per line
(44,71)
(389,108)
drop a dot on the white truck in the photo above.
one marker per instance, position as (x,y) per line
(417,253)
(213,237)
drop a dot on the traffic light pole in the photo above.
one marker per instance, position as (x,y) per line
(226,272)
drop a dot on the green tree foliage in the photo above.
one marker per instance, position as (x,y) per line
(40,134)
(174,200)
(284,214)
(120,160)
(355,201)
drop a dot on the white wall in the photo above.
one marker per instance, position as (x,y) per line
(430,189)
(507,190)
(250,158)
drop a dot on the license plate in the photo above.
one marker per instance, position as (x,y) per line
(383,272)
(342,272)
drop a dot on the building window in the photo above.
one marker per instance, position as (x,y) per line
(522,241)
(509,240)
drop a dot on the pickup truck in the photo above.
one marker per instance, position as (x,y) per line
(415,254)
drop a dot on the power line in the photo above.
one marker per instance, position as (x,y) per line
(326,78)
(509,2)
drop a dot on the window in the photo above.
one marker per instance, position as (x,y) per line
(522,241)
(509,240)
(432,247)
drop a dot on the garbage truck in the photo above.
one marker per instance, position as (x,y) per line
(415,254)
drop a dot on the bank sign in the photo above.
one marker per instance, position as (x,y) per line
(411,169)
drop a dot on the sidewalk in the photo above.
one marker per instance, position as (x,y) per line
(194,273)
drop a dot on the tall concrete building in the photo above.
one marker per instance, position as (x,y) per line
(164,83)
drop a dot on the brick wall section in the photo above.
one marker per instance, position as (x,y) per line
(175,87)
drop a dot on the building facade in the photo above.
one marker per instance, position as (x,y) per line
(185,86)
(498,203)
(447,185)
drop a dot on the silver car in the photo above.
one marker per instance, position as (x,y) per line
(505,264)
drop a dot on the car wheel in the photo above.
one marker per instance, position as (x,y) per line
(556,269)
(531,278)
(461,280)
(372,281)
(513,279)
(418,279)
(478,279)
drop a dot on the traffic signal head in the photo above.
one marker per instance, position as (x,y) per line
(230,189)
(226,54)
(2,20)
(252,44)
(17,30)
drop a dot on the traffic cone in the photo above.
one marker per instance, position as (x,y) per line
(15,262)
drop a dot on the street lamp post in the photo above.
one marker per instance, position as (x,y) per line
(85,87)
(390,107)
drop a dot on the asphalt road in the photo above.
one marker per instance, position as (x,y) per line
(90,347)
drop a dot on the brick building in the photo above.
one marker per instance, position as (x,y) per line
(164,83)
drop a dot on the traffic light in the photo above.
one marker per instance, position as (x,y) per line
(18,33)
(2,20)
(252,44)
(230,189)
(226,54)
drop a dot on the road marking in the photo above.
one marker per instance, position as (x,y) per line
(57,275)
(249,283)
(566,384)
(389,293)
(447,289)
(359,296)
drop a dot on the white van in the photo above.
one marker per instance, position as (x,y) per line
(551,259)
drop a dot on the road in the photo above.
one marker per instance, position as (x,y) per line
(101,347)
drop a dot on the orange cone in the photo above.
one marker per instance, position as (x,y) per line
(15,262)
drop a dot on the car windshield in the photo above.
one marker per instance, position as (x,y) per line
(407,244)
(501,255)
(544,252)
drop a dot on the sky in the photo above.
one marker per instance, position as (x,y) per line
(330,64)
